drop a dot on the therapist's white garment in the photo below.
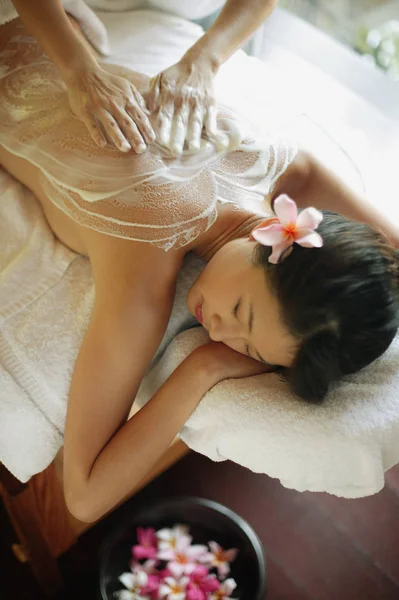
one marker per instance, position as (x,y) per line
(187,9)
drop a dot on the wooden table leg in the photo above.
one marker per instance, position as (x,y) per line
(20,503)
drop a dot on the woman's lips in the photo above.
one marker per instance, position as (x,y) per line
(198,313)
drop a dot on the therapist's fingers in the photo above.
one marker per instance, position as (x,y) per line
(153,94)
(212,131)
(210,123)
(179,128)
(195,128)
(137,110)
(94,129)
(132,134)
(113,131)
(165,121)
(126,126)
(162,92)
(141,102)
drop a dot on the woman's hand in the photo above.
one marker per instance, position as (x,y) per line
(221,362)
(111,108)
(184,98)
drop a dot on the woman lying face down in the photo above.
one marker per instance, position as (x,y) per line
(315,313)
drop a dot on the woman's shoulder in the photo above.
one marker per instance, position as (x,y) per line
(120,265)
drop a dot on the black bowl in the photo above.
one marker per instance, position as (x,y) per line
(207,521)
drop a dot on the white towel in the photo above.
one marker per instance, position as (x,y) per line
(46,297)
(342,447)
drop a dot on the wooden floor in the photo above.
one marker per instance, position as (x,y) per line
(318,547)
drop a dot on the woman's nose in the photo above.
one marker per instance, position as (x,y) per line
(221,331)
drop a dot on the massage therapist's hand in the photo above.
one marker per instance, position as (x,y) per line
(224,363)
(184,99)
(111,108)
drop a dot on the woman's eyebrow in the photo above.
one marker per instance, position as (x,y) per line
(250,327)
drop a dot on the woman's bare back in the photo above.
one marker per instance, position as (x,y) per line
(67,231)
(173,203)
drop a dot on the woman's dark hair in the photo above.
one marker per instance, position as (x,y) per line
(340,301)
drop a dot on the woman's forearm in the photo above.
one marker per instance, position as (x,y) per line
(48,23)
(238,20)
(140,442)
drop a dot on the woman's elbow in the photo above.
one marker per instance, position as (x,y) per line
(77,506)
(78,503)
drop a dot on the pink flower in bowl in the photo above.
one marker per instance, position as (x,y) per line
(167,537)
(147,546)
(173,589)
(201,584)
(183,559)
(225,591)
(219,558)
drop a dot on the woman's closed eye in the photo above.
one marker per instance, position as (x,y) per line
(235,313)
(235,309)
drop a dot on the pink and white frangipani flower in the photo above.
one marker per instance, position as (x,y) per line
(225,591)
(173,589)
(183,559)
(134,582)
(147,546)
(287,227)
(167,538)
(201,584)
(219,558)
(148,567)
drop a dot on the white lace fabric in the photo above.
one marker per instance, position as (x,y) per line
(153,197)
